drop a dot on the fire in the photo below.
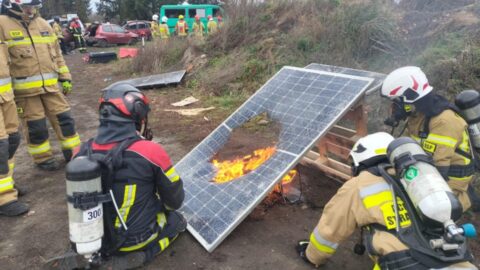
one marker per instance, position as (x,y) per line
(231,169)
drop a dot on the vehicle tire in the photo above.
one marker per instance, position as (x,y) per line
(132,41)
(102,43)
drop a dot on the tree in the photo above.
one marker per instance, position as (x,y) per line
(59,7)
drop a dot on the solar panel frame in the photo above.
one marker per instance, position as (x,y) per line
(376,84)
(223,131)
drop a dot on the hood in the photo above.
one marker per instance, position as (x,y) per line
(432,105)
(111,132)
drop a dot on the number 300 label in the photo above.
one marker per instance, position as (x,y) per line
(93,214)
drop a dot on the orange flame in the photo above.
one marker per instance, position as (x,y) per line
(229,170)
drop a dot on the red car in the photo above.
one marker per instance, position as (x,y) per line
(141,28)
(105,34)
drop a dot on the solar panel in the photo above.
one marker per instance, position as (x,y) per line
(377,77)
(156,80)
(306,103)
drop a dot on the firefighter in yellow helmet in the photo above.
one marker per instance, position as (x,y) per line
(181,28)
(435,124)
(212,25)
(366,201)
(154,27)
(9,140)
(198,28)
(37,68)
(164,30)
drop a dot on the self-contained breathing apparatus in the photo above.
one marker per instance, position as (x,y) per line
(433,237)
(89,192)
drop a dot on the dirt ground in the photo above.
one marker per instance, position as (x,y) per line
(265,240)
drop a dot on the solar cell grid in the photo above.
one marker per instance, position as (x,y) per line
(305,103)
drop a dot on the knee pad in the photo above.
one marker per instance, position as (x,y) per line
(4,156)
(13,143)
(37,131)
(67,124)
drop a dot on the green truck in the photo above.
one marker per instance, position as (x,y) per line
(189,12)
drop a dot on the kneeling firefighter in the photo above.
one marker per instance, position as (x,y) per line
(395,234)
(129,215)
(437,125)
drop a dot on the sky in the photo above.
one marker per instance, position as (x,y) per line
(93,4)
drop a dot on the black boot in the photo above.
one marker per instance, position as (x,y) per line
(49,165)
(67,154)
(13,209)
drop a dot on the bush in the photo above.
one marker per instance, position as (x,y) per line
(160,56)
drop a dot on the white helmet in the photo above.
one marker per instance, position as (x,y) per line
(407,83)
(155,17)
(164,19)
(370,149)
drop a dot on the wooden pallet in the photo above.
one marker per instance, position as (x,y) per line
(331,152)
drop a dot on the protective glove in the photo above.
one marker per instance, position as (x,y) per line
(67,87)
(301,249)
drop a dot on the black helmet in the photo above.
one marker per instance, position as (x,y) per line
(123,103)
(56,19)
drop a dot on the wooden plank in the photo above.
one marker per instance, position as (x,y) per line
(338,150)
(330,171)
(340,166)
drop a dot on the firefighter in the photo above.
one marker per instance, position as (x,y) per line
(212,26)
(9,140)
(366,201)
(154,27)
(146,187)
(198,28)
(36,68)
(434,123)
(57,28)
(164,30)
(76,29)
(181,28)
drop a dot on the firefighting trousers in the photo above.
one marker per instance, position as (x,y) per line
(170,226)
(34,111)
(9,141)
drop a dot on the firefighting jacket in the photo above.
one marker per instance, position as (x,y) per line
(57,29)
(154,27)
(212,26)
(6,92)
(446,139)
(181,28)
(145,185)
(36,62)
(198,29)
(164,31)
(364,200)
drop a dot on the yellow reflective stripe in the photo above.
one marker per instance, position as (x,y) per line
(172,175)
(164,243)
(320,247)
(377,199)
(6,184)
(5,85)
(443,140)
(63,69)
(466,178)
(141,245)
(161,219)
(39,149)
(465,146)
(37,81)
(416,138)
(128,200)
(71,143)
(381,151)
(36,40)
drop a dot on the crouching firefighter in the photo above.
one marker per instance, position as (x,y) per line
(395,234)
(122,189)
(437,125)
